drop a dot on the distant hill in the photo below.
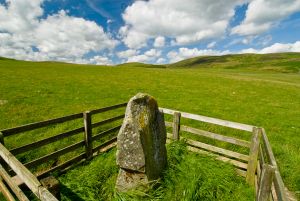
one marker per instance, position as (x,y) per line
(141,65)
(282,62)
(276,62)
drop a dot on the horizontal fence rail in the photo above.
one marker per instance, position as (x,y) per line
(41,124)
(30,180)
(259,166)
(211,120)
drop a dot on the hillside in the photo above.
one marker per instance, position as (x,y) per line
(141,65)
(36,91)
(280,62)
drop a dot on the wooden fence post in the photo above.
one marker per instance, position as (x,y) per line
(265,184)
(88,134)
(176,125)
(253,155)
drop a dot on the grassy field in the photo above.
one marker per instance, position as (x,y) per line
(186,178)
(266,97)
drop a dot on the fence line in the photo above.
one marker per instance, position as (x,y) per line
(259,167)
(24,176)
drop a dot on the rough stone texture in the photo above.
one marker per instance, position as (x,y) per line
(141,151)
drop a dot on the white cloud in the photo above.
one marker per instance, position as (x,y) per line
(275,48)
(159,41)
(161,60)
(184,21)
(147,57)
(23,35)
(139,58)
(153,53)
(185,53)
(100,60)
(211,45)
(261,15)
(127,53)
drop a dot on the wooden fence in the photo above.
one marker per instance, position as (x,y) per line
(9,185)
(259,166)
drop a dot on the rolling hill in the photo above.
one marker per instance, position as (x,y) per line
(281,62)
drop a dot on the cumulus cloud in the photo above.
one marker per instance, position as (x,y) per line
(261,15)
(161,60)
(159,41)
(23,35)
(147,57)
(185,53)
(127,53)
(275,48)
(184,21)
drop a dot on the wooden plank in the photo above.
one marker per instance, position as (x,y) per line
(32,126)
(25,175)
(2,162)
(105,144)
(45,141)
(265,184)
(278,182)
(215,136)
(54,155)
(261,155)
(218,157)
(253,155)
(45,195)
(176,125)
(20,170)
(87,118)
(211,120)
(6,193)
(168,124)
(240,172)
(218,150)
(94,125)
(108,108)
(62,166)
(104,133)
(268,149)
(279,187)
(17,191)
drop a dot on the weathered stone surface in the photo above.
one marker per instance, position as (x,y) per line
(141,152)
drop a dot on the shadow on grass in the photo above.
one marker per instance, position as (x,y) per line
(68,194)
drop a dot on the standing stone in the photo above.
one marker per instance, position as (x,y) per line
(141,151)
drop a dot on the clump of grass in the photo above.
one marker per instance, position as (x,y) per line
(189,176)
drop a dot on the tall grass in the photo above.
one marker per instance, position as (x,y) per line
(188,177)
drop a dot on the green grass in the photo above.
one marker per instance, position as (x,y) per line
(31,92)
(277,62)
(186,178)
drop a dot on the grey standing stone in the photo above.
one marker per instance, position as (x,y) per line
(141,151)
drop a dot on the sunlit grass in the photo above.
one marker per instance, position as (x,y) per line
(31,92)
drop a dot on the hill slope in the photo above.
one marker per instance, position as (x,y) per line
(281,62)
(36,91)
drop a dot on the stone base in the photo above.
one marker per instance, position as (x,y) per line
(130,180)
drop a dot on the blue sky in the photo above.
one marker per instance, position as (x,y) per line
(153,31)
